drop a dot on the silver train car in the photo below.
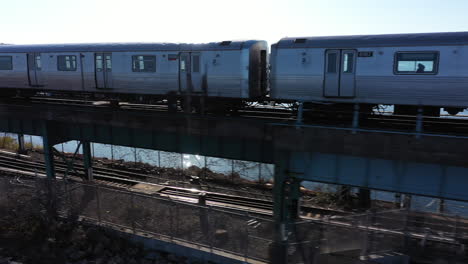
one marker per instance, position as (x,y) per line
(429,70)
(408,71)
(229,69)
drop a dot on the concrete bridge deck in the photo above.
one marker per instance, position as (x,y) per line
(428,165)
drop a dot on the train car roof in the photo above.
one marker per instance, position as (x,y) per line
(388,40)
(115,47)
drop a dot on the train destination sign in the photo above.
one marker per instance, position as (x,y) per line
(365,54)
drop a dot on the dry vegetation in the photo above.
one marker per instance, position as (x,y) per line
(32,232)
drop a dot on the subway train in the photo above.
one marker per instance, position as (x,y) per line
(228,71)
(407,71)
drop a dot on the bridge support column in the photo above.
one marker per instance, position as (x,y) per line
(48,146)
(407,201)
(364,198)
(87,160)
(441,208)
(398,200)
(344,194)
(300,113)
(355,124)
(50,137)
(419,122)
(286,192)
(21,145)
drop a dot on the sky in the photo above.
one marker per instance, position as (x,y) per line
(197,21)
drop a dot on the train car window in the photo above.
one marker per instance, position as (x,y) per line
(348,62)
(6,63)
(331,68)
(99,64)
(195,63)
(182,65)
(108,62)
(143,63)
(183,60)
(38,62)
(416,62)
(66,63)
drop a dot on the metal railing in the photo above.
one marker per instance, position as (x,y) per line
(361,235)
(243,235)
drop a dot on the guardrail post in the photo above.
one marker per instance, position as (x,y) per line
(210,230)
(407,201)
(406,230)
(398,200)
(132,211)
(171,212)
(6,190)
(456,227)
(203,214)
(457,235)
(98,203)
(365,250)
(246,249)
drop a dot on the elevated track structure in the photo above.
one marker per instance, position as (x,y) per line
(412,162)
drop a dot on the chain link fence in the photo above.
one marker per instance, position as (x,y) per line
(345,239)
(353,238)
(244,235)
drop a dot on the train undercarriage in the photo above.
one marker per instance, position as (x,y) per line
(199,104)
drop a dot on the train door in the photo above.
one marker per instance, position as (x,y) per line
(184,71)
(35,70)
(340,73)
(190,77)
(196,72)
(103,70)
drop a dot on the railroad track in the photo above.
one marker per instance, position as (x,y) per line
(126,179)
(446,125)
(231,202)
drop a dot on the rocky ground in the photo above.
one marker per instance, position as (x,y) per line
(29,235)
(73,244)
(203,178)
(32,233)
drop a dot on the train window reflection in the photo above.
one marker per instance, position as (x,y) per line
(108,62)
(331,63)
(6,63)
(416,62)
(144,63)
(348,59)
(66,63)
(195,63)
(38,62)
(99,63)
(183,60)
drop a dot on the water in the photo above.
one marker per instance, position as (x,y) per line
(247,170)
